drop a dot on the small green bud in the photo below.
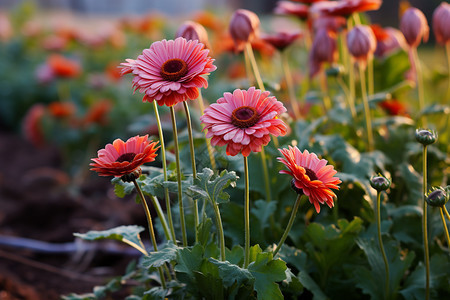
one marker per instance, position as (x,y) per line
(426,136)
(437,197)
(132,176)
(380,183)
(335,70)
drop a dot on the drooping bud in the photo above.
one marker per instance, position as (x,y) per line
(438,197)
(426,137)
(380,183)
(244,27)
(441,23)
(324,49)
(361,43)
(414,26)
(193,31)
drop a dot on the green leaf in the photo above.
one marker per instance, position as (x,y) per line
(127,234)
(235,255)
(189,260)
(157,259)
(121,189)
(204,231)
(231,273)
(89,296)
(209,287)
(212,190)
(267,272)
(263,210)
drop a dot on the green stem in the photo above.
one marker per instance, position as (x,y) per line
(161,216)
(420,87)
(194,168)
(424,225)
(446,213)
(150,228)
(246,215)
(208,141)
(370,82)
(220,229)
(324,88)
(164,164)
(290,85)
(351,75)
(445,227)
(180,191)
(366,108)
(290,223)
(447,52)
(266,175)
(380,243)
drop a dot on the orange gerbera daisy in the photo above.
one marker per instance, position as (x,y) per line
(311,176)
(122,158)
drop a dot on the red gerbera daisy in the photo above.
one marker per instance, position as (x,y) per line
(244,121)
(170,71)
(122,158)
(311,175)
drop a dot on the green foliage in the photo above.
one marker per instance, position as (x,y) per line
(212,190)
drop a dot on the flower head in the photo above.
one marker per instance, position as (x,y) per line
(244,121)
(441,23)
(281,40)
(361,42)
(298,10)
(425,136)
(244,27)
(170,71)
(414,26)
(311,175)
(388,40)
(63,67)
(193,31)
(348,7)
(438,197)
(122,158)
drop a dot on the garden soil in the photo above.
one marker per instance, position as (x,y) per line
(40,202)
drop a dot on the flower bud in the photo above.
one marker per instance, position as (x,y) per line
(414,26)
(244,27)
(441,23)
(361,42)
(324,49)
(426,136)
(380,183)
(193,31)
(130,177)
(437,197)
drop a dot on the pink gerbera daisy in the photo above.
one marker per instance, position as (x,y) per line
(311,175)
(244,121)
(122,158)
(170,71)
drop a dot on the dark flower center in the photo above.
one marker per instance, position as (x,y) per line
(244,117)
(126,157)
(312,176)
(173,69)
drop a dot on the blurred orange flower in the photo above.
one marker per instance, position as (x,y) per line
(63,67)
(61,109)
(98,112)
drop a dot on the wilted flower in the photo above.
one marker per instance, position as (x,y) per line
(438,197)
(311,176)
(323,50)
(388,40)
(170,71)
(426,136)
(122,158)
(441,23)
(244,27)
(361,43)
(380,183)
(298,10)
(244,121)
(281,40)
(193,31)
(414,26)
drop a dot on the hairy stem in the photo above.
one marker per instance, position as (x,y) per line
(366,108)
